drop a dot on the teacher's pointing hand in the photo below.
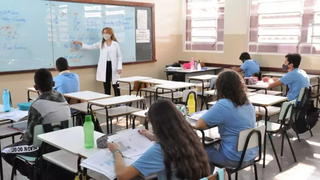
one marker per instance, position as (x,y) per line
(77,42)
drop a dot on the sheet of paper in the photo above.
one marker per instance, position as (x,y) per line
(142,19)
(131,143)
(197,115)
(14,115)
(103,162)
(143,36)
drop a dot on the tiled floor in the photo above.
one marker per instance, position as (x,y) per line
(307,152)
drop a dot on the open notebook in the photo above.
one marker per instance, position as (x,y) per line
(132,146)
(19,126)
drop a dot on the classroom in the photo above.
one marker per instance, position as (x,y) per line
(168,93)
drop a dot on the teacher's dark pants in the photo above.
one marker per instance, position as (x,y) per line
(107,84)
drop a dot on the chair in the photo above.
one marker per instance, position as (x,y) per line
(249,138)
(209,93)
(31,162)
(285,120)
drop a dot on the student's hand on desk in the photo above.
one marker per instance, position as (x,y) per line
(265,79)
(147,134)
(113,146)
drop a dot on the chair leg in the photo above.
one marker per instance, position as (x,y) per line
(229,175)
(255,171)
(294,156)
(282,141)
(311,133)
(298,137)
(237,175)
(274,151)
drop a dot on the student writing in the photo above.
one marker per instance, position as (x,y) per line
(110,60)
(176,154)
(249,66)
(232,113)
(295,78)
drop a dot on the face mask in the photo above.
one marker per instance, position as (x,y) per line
(106,36)
(285,67)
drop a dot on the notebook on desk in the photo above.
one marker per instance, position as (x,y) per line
(19,126)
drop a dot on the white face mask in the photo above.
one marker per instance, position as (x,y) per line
(106,36)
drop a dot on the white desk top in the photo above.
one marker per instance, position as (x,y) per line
(259,85)
(86,95)
(140,113)
(116,100)
(133,79)
(155,81)
(70,140)
(192,71)
(202,77)
(279,74)
(266,100)
(32,89)
(175,85)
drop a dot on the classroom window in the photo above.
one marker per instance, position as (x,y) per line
(285,26)
(204,25)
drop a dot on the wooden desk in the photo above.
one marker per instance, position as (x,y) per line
(107,103)
(130,80)
(32,90)
(188,72)
(203,79)
(264,101)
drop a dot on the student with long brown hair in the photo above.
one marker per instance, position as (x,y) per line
(176,154)
(232,113)
(110,61)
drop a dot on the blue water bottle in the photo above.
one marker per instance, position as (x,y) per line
(6,99)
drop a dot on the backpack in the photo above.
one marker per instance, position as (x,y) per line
(306,115)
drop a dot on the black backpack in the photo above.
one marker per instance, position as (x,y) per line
(306,115)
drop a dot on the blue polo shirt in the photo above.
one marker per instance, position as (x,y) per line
(152,162)
(250,67)
(230,121)
(66,82)
(295,80)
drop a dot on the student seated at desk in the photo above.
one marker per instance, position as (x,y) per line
(176,154)
(49,107)
(249,66)
(232,113)
(295,78)
(66,82)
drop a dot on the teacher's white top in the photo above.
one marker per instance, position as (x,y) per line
(116,60)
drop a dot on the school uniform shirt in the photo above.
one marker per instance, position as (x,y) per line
(49,107)
(66,82)
(230,121)
(250,67)
(151,162)
(295,80)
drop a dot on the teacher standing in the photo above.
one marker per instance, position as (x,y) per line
(110,60)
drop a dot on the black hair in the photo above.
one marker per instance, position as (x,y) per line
(62,64)
(244,56)
(43,80)
(294,59)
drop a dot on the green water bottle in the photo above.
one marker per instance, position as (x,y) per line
(88,129)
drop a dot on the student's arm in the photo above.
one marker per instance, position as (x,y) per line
(150,162)
(86,46)
(119,59)
(275,84)
(237,69)
(34,118)
(213,117)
